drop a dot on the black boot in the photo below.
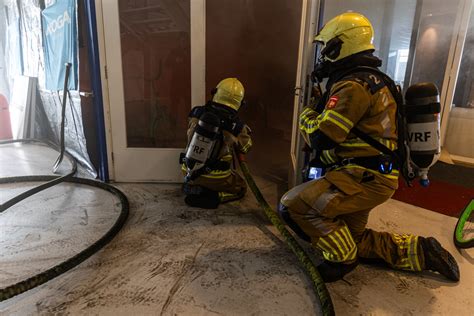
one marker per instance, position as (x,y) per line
(335,271)
(285,216)
(198,196)
(201,202)
(439,259)
(208,199)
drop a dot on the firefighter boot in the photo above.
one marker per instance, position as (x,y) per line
(335,271)
(439,259)
(206,201)
(285,216)
(203,198)
(197,196)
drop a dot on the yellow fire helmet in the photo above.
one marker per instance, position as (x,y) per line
(229,92)
(345,35)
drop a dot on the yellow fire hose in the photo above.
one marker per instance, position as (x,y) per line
(319,287)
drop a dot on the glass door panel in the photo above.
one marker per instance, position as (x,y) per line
(156,62)
(148,66)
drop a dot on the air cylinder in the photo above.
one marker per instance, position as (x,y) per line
(422,108)
(204,138)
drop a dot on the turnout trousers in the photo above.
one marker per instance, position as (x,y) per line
(228,183)
(333,211)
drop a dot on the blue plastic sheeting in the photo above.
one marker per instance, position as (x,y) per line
(60,43)
(94,62)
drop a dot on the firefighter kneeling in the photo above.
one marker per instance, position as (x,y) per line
(332,212)
(213,133)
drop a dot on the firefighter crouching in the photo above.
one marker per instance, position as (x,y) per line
(332,212)
(214,131)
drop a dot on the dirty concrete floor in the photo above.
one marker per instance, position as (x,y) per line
(173,260)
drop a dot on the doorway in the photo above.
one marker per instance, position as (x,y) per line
(162,57)
(257,42)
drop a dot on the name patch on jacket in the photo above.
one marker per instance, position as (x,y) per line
(332,102)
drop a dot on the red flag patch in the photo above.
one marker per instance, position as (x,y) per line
(332,102)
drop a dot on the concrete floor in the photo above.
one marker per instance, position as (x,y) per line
(174,260)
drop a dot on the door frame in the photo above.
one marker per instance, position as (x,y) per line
(105,87)
(110,50)
(310,21)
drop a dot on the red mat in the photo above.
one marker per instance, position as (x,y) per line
(441,197)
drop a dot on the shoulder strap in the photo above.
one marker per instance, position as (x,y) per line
(385,81)
(197,111)
(374,143)
(376,80)
(373,80)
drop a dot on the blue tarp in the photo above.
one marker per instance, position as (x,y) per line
(60,44)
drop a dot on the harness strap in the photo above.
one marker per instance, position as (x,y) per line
(376,81)
(206,169)
(378,163)
(374,143)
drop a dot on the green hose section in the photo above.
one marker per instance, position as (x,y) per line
(319,287)
(459,231)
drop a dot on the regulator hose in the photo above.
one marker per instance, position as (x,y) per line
(51,273)
(319,286)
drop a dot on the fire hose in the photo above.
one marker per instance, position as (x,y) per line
(319,286)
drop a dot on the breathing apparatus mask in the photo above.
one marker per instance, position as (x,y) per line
(324,65)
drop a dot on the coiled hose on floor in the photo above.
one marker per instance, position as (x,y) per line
(43,277)
(319,287)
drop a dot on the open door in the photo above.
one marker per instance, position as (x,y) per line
(154,59)
(154,70)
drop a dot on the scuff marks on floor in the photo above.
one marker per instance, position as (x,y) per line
(170,259)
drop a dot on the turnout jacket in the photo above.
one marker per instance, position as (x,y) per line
(359,100)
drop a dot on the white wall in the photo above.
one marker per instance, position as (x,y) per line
(460,133)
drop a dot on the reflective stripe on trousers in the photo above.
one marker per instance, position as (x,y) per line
(408,252)
(338,246)
(228,197)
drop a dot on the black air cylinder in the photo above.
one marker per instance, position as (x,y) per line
(423,123)
(203,140)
